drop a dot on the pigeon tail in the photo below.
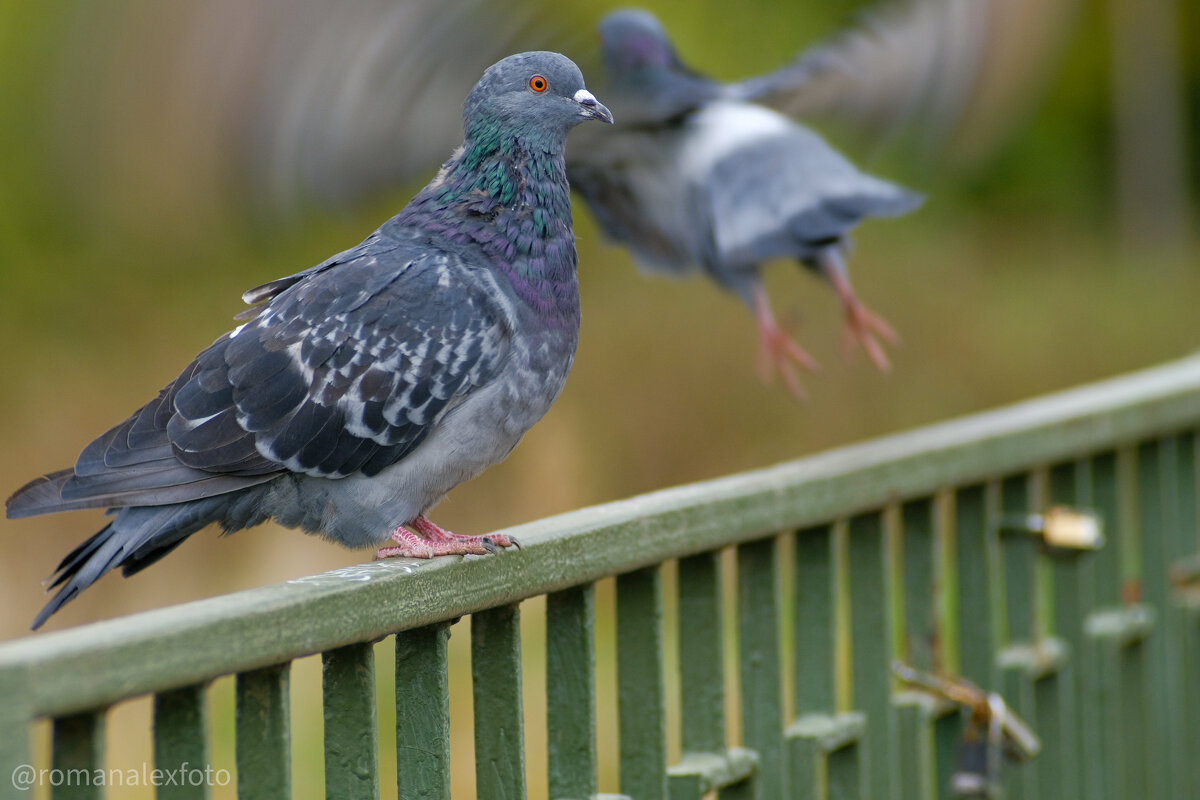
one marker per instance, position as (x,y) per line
(134,539)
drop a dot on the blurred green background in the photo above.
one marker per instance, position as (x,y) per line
(1058,246)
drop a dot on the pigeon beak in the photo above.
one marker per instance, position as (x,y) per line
(592,108)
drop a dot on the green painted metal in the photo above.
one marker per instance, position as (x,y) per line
(824,756)
(1053,768)
(1175,474)
(697,774)
(701,673)
(15,746)
(571,692)
(423,713)
(1119,637)
(921,639)
(264,733)
(871,638)
(641,696)
(928,734)
(77,753)
(916,713)
(181,741)
(1075,591)
(1020,552)
(975,619)
(813,616)
(1161,667)
(1191,700)
(760,652)
(351,728)
(1032,676)
(496,689)
(947,739)
(742,790)
(1105,501)
(1187,550)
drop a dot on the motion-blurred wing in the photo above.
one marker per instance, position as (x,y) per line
(912,63)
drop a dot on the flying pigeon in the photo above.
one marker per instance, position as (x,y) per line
(699,176)
(360,391)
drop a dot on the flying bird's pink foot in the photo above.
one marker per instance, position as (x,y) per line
(863,326)
(427,540)
(778,350)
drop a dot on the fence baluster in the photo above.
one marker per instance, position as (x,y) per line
(1019,552)
(1075,591)
(423,713)
(1104,500)
(825,758)
(571,692)
(871,640)
(916,716)
(813,618)
(701,662)
(761,678)
(920,623)
(499,717)
(351,728)
(77,749)
(641,700)
(975,620)
(264,733)
(1153,532)
(1187,544)
(181,740)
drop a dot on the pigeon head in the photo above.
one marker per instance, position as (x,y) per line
(633,41)
(538,94)
(648,80)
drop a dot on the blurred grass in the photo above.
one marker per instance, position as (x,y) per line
(1009,283)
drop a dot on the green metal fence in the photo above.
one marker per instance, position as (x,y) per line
(841,563)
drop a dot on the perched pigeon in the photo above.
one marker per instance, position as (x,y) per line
(699,176)
(362,390)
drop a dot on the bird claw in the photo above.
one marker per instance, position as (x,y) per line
(427,540)
(781,353)
(862,328)
(778,350)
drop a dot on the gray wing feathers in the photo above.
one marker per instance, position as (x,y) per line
(343,371)
(913,62)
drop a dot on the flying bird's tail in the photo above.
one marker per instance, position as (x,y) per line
(133,540)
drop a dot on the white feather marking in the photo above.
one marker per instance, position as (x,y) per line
(724,126)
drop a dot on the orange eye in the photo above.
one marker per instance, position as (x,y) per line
(538,83)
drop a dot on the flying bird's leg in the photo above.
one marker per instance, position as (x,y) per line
(862,324)
(427,540)
(778,351)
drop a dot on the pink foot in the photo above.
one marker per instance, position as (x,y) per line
(778,350)
(427,540)
(862,324)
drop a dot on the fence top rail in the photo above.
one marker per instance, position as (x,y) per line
(195,642)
